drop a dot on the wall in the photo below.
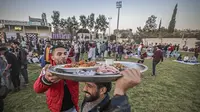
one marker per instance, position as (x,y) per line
(190,42)
(43,32)
(93,37)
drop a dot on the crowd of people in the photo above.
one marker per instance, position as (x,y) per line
(13,64)
(62,95)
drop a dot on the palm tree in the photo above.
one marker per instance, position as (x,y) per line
(75,25)
(97,26)
(56,20)
(104,24)
(72,26)
(91,22)
(63,23)
(83,21)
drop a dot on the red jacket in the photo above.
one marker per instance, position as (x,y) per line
(55,93)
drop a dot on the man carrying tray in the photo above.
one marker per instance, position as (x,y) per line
(62,95)
(96,94)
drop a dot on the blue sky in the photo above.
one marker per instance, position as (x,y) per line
(133,13)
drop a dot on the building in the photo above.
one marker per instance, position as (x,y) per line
(123,35)
(35,27)
(86,35)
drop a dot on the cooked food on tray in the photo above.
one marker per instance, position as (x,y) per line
(81,63)
(119,66)
(100,67)
(107,69)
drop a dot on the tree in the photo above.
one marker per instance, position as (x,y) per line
(56,20)
(91,21)
(198,38)
(63,23)
(103,24)
(97,26)
(83,21)
(44,19)
(75,23)
(160,25)
(150,24)
(72,26)
(112,37)
(124,35)
(149,28)
(173,20)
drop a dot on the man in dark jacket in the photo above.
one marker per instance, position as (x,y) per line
(13,66)
(157,57)
(22,58)
(97,98)
(120,51)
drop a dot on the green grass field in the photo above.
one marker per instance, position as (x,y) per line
(176,88)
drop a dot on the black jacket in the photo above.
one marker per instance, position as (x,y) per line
(116,104)
(22,56)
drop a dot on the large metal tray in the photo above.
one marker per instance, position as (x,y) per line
(62,73)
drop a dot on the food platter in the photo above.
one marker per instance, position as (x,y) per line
(61,67)
(84,78)
(73,73)
(81,65)
(141,67)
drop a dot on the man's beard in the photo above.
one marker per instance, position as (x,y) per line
(61,61)
(91,98)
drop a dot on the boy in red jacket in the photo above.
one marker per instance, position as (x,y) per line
(61,95)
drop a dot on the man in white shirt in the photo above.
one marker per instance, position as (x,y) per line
(186,58)
(139,49)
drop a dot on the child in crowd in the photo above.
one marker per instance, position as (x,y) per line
(144,55)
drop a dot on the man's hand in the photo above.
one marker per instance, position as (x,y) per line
(129,79)
(49,76)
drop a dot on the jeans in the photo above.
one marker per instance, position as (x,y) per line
(120,56)
(164,53)
(154,67)
(139,52)
(82,56)
(24,73)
